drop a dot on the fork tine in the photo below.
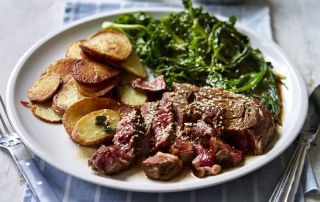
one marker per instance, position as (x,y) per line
(5,117)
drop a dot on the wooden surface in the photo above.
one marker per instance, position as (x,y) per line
(296,28)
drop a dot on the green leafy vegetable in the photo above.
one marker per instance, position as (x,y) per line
(194,47)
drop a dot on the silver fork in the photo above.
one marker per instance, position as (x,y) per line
(10,141)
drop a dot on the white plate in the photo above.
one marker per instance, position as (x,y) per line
(51,143)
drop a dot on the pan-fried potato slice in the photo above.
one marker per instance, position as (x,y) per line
(74,51)
(87,133)
(63,67)
(44,88)
(98,91)
(67,95)
(130,96)
(107,45)
(134,66)
(89,72)
(45,112)
(83,107)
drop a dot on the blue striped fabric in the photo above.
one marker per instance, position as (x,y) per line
(256,186)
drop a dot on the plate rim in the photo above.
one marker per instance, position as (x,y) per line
(123,185)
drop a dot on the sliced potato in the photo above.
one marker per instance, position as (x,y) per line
(107,45)
(67,95)
(45,112)
(130,96)
(83,107)
(89,72)
(44,88)
(98,91)
(74,51)
(87,133)
(134,66)
(63,67)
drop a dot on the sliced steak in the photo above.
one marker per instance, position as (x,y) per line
(204,163)
(180,99)
(118,157)
(130,130)
(185,90)
(199,132)
(183,149)
(158,84)
(248,124)
(163,128)
(148,112)
(110,159)
(180,106)
(162,166)
(226,155)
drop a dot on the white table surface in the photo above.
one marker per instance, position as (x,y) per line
(296,27)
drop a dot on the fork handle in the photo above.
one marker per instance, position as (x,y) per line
(35,179)
(288,184)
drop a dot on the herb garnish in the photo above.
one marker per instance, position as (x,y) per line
(194,47)
(102,121)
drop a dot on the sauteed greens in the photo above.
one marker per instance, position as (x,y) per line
(194,47)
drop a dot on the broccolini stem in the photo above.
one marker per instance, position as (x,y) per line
(107,25)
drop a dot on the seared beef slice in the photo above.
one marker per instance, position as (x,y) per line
(158,84)
(162,166)
(225,155)
(183,149)
(180,99)
(110,159)
(248,124)
(204,164)
(118,157)
(163,128)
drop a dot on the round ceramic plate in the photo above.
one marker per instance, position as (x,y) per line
(51,143)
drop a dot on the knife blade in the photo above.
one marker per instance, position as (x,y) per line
(287,186)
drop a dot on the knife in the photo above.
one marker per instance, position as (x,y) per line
(287,186)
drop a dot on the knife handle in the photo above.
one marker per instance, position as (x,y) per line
(288,183)
(32,174)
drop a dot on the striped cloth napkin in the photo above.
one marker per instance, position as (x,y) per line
(256,186)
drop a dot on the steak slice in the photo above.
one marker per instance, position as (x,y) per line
(199,132)
(163,128)
(247,123)
(162,166)
(158,84)
(204,163)
(226,155)
(183,149)
(180,99)
(118,157)
(148,112)
(130,130)
(110,159)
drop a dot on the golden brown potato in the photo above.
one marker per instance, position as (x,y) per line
(74,51)
(44,87)
(45,112)
(63,67)
(89,72)
(107,45)
(66,96)
(130,96)
(83,107)
(99,90)
(87,133)
(134,66)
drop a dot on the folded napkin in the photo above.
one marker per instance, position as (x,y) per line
(256,186)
